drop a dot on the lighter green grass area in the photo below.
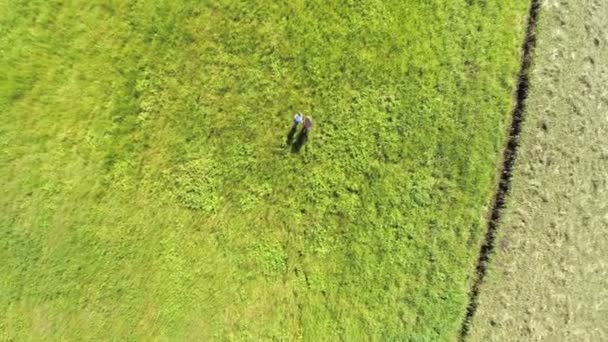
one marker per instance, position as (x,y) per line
(548,278)
(148,191)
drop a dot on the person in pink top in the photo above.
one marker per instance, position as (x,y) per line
(307,126)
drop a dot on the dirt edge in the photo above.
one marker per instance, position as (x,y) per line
(509,155)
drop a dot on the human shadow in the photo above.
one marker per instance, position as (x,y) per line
(300,141)
(291,134)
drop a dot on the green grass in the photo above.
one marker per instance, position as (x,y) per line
(148,191)
(548,278)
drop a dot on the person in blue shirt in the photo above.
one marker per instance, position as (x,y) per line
(297,119)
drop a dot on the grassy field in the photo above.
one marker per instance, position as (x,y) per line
(148,190)
(549,278)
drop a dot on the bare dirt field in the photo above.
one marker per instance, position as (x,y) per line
(547,278)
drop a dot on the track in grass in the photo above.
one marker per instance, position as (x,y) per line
(509,155)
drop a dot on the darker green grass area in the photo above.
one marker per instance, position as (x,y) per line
(148,189)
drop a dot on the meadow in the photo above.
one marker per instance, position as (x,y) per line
(148,190)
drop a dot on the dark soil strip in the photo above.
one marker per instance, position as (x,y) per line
(509,155)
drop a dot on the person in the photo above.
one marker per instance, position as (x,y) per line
(297,119)
(307,125)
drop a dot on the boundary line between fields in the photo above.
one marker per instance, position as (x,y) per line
(509,154)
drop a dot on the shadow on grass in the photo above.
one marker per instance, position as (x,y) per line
(291,134)
(300,141)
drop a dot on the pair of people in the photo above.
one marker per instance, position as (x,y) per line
(297,120)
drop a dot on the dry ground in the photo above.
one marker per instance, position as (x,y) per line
(547,279)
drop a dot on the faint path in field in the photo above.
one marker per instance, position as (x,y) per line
(509,155)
